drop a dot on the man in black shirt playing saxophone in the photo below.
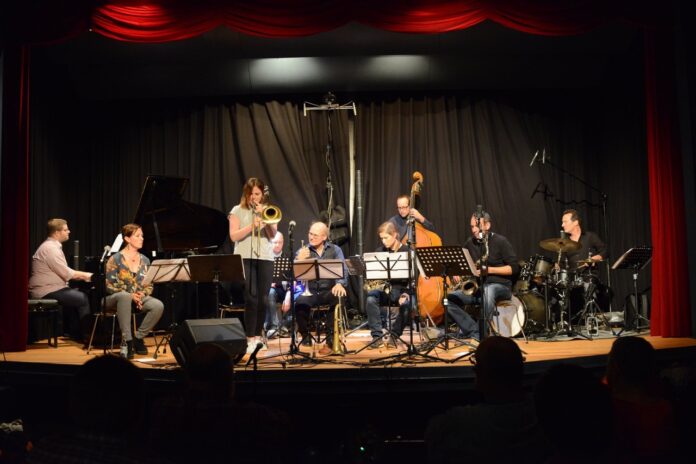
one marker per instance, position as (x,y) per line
(498,270)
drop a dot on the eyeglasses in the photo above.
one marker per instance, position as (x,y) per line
(402,207)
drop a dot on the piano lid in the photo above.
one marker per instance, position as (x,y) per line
(171,224)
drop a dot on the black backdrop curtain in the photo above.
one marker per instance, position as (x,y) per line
(89,162)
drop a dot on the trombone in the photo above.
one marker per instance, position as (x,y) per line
(270,214)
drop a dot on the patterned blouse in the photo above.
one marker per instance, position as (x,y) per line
(119,278)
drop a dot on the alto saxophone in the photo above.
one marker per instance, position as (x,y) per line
(370,285)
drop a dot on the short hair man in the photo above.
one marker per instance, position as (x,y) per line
(50,274)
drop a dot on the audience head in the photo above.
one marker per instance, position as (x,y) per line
(570,403)
(632,366)
(210,373)
(499,367)
(107,395)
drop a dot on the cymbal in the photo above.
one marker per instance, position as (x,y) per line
(582,262)
(559,244)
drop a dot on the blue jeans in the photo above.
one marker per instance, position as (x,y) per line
(469,328)
(76,301)
(274,317)
(377,314)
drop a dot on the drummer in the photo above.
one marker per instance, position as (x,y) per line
(592,249)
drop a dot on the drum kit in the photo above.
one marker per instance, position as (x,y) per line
(551,297)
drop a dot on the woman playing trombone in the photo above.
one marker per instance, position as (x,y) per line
(252,241)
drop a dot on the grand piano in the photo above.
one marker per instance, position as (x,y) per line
(174,226)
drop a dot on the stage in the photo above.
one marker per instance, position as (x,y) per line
(275,366)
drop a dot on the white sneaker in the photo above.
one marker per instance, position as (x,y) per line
(271,334)
(251,345)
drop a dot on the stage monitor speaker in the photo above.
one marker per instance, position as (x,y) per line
(228,333)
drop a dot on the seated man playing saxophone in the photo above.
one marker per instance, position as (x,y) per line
(378,298)
(498,264)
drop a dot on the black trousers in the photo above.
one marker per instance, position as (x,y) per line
(303,304)
(259,276)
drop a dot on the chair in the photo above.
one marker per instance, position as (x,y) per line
(48,309)
(103,314)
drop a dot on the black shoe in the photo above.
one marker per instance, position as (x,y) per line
(131,353)
(139,345)
(306,340)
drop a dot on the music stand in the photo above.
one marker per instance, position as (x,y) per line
(634,259)
(386,266)
(447,261)
(283,270)
(356,267)
(309,269)
(165,271)
(216,269)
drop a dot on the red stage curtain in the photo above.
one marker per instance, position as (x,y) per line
(15,200)
(167,20)
(671,315)
(161,21)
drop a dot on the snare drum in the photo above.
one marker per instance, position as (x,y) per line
(562,278)
(542,268)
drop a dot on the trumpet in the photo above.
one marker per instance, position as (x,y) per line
(338,346)
(306,291)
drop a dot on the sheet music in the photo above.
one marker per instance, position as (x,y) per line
(306,269)
(168,270)
(118,241)
(376,265)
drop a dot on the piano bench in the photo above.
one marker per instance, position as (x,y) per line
(48,310)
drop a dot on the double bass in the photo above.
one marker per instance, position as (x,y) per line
(429,290)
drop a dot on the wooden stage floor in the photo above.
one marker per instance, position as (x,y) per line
(535,351)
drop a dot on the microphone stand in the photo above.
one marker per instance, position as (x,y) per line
(603,205)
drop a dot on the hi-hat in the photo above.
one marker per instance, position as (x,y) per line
(559,244)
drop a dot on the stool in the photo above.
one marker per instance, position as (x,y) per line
(49,309)
(318,315)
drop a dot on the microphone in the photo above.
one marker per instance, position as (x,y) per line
(259,345)
(76,254)
(534,158)
(107,249)
(563,234)
(479,211)
(291,226)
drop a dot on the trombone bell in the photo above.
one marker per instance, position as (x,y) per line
(271,214)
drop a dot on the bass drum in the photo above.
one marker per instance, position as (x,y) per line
(510,319)
(535,313)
